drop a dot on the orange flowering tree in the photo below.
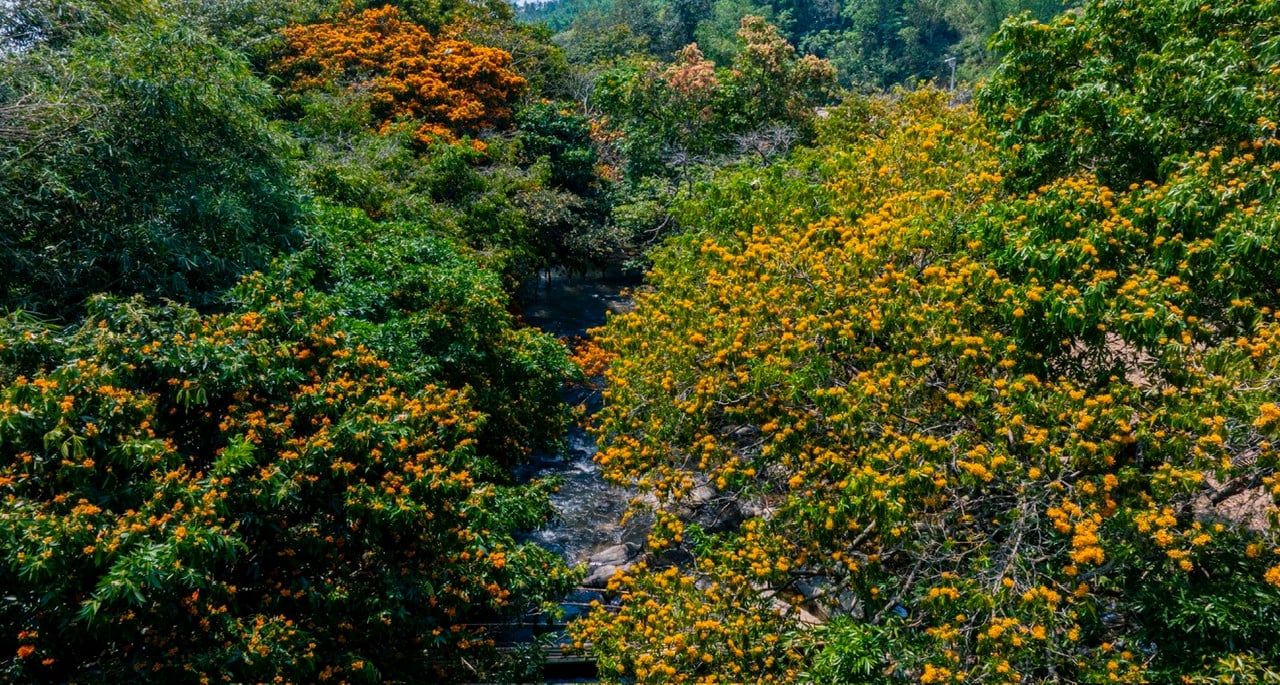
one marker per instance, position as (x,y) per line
(275,492)
(979,436)
(446,86)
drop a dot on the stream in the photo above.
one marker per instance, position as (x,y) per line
(588,509)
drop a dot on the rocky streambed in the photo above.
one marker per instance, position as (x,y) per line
(587,529)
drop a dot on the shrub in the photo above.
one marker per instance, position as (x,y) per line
(136,160)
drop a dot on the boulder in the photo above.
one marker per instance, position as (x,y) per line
(598,578)
(617,555)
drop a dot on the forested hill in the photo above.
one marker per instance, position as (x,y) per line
(920,387)
(873,44)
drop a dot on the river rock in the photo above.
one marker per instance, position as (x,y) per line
(825,600)
(617,555)
(608,561)
(785,608)
(598,579)
(713,511)
(701,495)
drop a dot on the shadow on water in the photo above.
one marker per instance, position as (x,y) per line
(567,304)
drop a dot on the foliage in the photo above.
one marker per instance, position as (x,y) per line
(894,41)
(400,289)
(854,652)
(601,37)
(438,15)
(57,23)
(1038,429)
(554,131)
(522,201)
(312,483)
(136,160)
(448,86)
(874,44)
(245,496)
(679,117)
(716,34)
(528,198)
(250,26)
(554,135)
(1139,85)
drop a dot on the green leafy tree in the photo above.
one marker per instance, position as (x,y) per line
(553,134)
(57,23)
(687,114)
(717,34)
(599,37)
(1129,89)
(136,159)
(893,41)
(402,290)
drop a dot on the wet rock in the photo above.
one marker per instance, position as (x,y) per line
(599,578)
(617,555)
(673,556)
(812,588)
(718,516)
(701,495)
(793,610)
(826,600)
(608,561)
(755,508)
(637,528)
(713,511)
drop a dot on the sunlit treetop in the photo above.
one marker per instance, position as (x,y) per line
(450,87)
(1014,437)
(1127,89)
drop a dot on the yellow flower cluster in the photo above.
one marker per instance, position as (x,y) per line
(1000,415)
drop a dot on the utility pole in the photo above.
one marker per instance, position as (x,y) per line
(951,62)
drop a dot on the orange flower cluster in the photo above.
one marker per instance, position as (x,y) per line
(446,86)
(251,495)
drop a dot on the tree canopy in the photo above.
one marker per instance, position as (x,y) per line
(137,159)
(986,420)
(915,391)
(446,86)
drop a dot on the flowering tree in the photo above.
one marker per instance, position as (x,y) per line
(448,86)
(691,112)
(276,492)
(990,436)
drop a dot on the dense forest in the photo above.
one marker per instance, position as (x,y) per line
(957,357)
(875,44)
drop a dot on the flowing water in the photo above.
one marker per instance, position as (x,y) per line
(588,509)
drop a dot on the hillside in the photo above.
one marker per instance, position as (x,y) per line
(922,384)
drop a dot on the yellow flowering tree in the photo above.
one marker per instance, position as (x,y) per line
(985,436)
